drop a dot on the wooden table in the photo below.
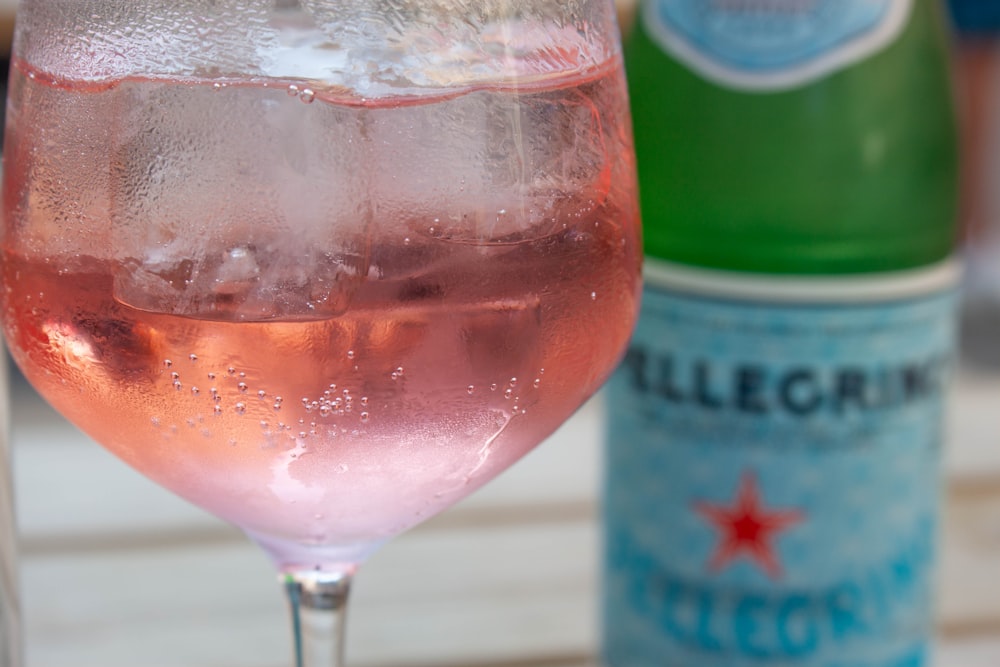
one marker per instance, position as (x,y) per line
(118,573)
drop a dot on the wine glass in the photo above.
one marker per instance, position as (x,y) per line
(322,268)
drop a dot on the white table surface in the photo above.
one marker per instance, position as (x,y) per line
(119,573)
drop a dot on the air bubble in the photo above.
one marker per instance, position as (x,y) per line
(593,296)
(177,385)
(193,357)
(536,383)
(293,90)
(350,354)
(508,393)
(261,394)
(364,417)
(211,376)
(217,409)
(167,363)
(307,95)
(175,375)
(470,389)
(513,382)
(364,400)
(241,408)
(231,370)
(493,387)
(195,391)
(242,386)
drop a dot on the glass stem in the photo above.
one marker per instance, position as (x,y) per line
(318,602)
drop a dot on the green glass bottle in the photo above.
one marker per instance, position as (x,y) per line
(854,171)
(774,432)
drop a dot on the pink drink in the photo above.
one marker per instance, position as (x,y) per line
(322,318)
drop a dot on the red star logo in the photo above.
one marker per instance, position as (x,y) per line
(747,528)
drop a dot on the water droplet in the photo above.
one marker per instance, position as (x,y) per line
(242,386)
(293,90)
(307,95)
(240,408)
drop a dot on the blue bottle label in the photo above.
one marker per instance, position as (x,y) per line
(772,44)
(772,475)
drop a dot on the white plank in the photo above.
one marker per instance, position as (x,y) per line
(428,598)
(973,435)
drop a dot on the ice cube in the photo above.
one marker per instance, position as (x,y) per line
(239,202)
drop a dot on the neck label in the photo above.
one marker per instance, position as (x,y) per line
(772,44)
